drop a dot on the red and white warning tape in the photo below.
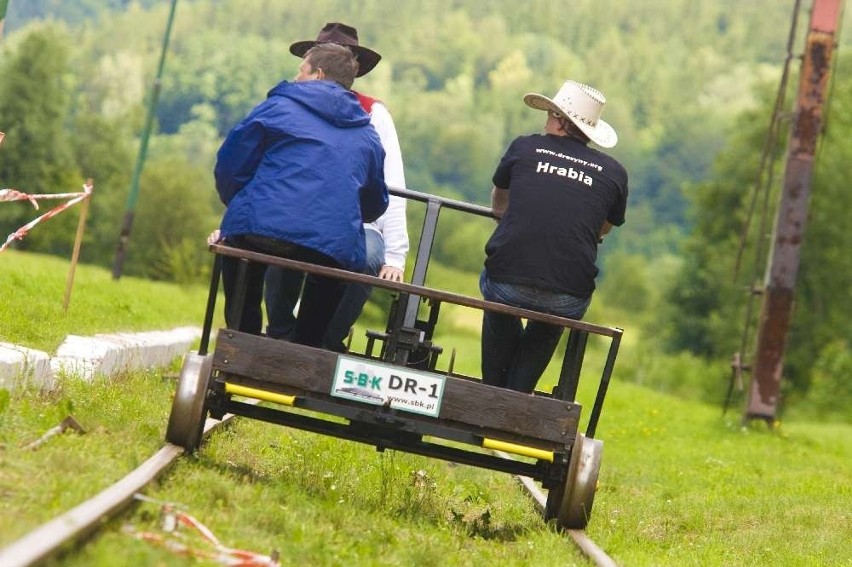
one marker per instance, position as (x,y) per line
(13,195)
(173,519)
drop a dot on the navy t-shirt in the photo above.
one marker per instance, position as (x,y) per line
(560,194)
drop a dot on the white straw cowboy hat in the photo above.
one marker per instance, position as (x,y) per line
(335,32)
(582,105)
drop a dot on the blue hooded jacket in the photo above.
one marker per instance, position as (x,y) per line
(304,166)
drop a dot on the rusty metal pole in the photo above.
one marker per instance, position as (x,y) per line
(777,310)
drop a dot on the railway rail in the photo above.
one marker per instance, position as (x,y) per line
(74,527)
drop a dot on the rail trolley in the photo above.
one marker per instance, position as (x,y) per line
(397,397)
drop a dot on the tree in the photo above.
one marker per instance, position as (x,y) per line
(705,313)
(103,153)
(173,219)
(454,76)
(74,11)
(36,156)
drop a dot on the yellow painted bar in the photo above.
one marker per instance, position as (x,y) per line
(260,394)
(517,449)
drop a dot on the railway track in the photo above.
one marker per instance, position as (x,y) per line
(73,527)
(589,548)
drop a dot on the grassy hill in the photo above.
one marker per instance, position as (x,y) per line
(680,484)
(34,288)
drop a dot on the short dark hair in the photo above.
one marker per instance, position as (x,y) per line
(573,131)
(337,62)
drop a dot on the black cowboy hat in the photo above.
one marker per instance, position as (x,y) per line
(344,35)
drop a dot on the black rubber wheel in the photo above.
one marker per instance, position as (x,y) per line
(186,420)
(571,504)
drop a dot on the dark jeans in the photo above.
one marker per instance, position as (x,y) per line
(282,293)
(514,356)
(319,301)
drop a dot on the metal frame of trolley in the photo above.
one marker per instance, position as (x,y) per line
(425,408)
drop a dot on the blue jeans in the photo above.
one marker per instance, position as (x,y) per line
(282,293)
(514,356)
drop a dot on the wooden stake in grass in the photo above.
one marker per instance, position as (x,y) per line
(81,224)
(66,424)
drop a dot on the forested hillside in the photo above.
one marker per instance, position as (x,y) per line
(676,74)
(689,85)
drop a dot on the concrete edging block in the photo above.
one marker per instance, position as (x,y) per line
(104,354)
(23,365)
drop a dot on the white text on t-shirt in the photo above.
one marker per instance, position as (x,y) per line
(570,173)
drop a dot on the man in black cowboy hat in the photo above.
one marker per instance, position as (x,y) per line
(386,238)
(341,34)
(555,198)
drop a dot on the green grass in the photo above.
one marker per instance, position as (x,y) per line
(32,313)
(680,484)
(123,420)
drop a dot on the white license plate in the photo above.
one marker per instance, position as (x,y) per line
(383,384)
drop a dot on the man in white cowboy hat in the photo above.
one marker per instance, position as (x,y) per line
(387,237)
(555,198)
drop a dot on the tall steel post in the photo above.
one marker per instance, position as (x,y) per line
(777,308)
(127,224)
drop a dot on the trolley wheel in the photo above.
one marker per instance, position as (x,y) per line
(571,504)
(186,421)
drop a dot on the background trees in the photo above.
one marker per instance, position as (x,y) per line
(454,78)
(36,156)
(704,309)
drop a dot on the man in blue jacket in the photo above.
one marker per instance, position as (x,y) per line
(299,176)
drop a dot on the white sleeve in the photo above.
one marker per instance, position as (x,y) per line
(391,225)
